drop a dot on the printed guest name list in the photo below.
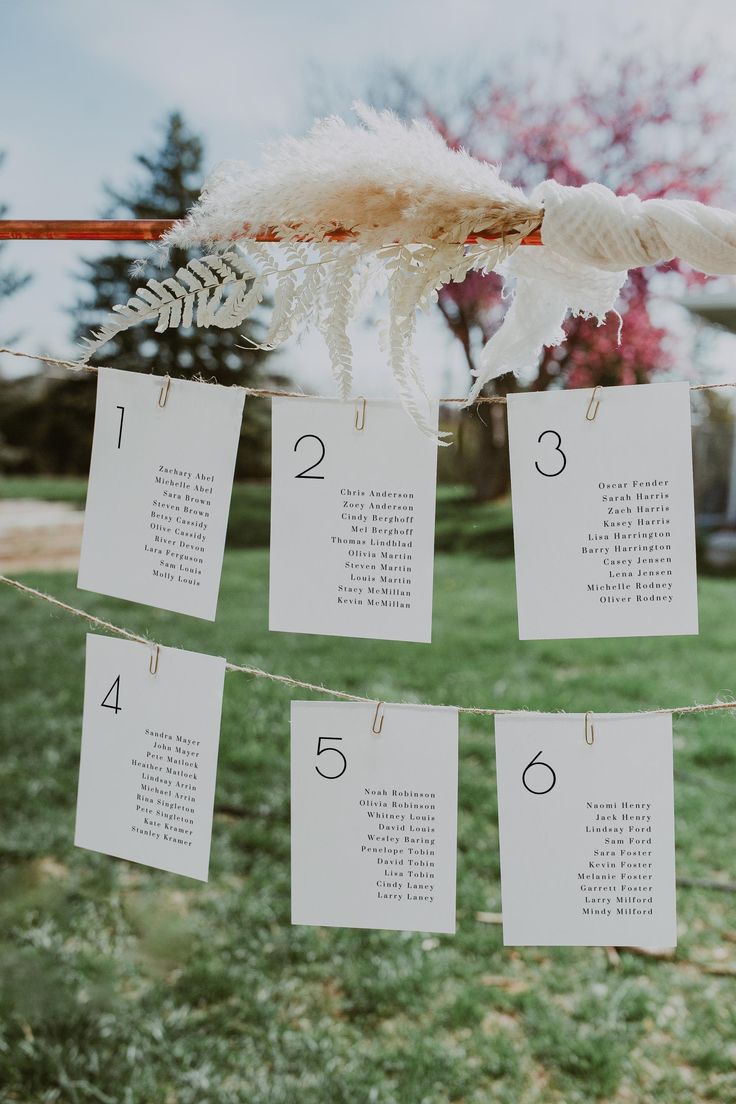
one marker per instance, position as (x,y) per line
(630,553)
(400,842)
(181,509)
(617,878)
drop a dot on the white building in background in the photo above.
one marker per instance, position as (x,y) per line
(716,501)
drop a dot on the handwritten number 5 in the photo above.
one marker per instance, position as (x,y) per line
(563,465)
(335,751)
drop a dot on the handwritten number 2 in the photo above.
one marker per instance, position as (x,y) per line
(563,465)
(303,474)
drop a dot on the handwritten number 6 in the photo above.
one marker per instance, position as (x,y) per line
(536,762)
(552,474)
(303,474)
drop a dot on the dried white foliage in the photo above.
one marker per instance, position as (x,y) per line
(404,204)
(385,181)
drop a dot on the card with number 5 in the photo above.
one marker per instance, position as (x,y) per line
(604,531)
(373,815)
(160,481)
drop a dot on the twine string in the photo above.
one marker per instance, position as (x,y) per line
(287,680)
(263,392)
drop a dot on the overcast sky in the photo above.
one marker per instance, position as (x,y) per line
(85,85)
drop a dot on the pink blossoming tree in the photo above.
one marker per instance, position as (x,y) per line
(636,126)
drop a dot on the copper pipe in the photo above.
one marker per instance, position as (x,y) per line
(147,230)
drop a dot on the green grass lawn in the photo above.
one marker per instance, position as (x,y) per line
(128,985)
(462,525)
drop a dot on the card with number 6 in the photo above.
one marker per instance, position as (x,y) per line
(604,529)
(160,481)
(373,815)
(150,737)
(587,829)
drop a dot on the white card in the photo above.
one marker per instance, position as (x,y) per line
(352,520)
(159,491)
(149,755)
(604,530)
(373,816)
(587,832)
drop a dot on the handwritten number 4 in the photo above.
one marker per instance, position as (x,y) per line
(107,704)
(561,465)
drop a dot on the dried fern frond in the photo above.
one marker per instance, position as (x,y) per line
(220,290)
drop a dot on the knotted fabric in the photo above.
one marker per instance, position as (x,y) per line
(591,238)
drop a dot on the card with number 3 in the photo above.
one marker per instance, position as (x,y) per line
(604,529)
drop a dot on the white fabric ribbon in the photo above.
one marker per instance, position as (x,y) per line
(591,238)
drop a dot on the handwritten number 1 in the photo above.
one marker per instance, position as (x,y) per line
(122,416)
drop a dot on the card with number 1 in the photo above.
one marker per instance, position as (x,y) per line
(160,481)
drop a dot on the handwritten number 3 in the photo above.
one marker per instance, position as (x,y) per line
(563,465)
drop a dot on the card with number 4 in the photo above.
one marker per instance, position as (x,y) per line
(150,737)
(160,481)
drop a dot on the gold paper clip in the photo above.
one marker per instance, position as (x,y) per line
(593,405)
(378,724)
(360,415)
(589,730)
(164,392)
(153,660)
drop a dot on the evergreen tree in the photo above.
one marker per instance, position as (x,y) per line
(11,280)
(168,183)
